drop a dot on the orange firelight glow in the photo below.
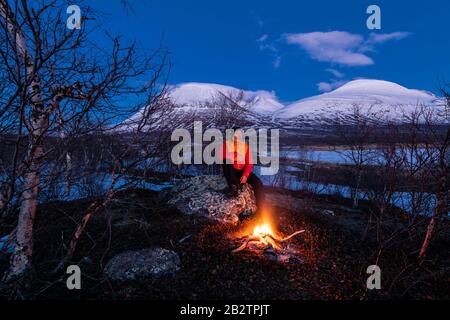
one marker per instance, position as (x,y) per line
(263,225)
(265,234)
(262,230)
(261,234)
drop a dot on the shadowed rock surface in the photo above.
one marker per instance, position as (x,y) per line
(204,195)
(142,264)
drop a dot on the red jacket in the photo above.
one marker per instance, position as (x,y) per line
(240,154)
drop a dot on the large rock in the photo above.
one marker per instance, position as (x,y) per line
(204,195)
(142,264)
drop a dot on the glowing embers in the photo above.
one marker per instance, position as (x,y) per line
(262,238)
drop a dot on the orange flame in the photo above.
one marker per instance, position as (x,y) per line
(263,230)
(261,234)
(262,224)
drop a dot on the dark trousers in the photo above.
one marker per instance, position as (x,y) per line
(233,178)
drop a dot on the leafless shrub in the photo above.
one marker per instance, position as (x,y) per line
(393,161)
(63,105)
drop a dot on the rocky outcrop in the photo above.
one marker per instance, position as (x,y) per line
(142,265)
(204,195)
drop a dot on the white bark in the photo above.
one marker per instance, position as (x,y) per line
(21,259)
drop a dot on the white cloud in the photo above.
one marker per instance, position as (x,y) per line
(276,62)
(324,86)
(328,86)
(383,37)
(262,38)
(335,46)
(335,73)
(265,46)
(379,38)
(340,47)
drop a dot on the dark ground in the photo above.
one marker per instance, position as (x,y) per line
(335,254)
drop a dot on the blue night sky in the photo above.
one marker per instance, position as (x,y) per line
(294,48)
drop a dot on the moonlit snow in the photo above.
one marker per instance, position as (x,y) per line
(379,99)
(192,93)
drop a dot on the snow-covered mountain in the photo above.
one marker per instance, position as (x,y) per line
(373,98)
(192,94)
(204,101)
(377,98)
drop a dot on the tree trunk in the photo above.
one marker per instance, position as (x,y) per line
(20,262)
(431,227)
(441,207)
(21,258)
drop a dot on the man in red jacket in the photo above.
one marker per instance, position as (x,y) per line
(237,166)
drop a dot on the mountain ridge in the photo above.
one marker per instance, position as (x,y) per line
(387,99)
(378,98)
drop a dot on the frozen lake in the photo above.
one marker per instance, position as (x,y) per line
(316,155)
(97,184)
(346,156)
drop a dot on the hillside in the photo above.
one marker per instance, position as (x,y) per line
(378,99)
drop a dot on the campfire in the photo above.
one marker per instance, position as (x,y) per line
(263,238)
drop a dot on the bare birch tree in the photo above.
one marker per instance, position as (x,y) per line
(437,124)
(58,83)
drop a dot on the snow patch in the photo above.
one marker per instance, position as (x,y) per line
(193,93)
(381,98)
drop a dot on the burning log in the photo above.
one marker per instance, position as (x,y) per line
(264,239)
